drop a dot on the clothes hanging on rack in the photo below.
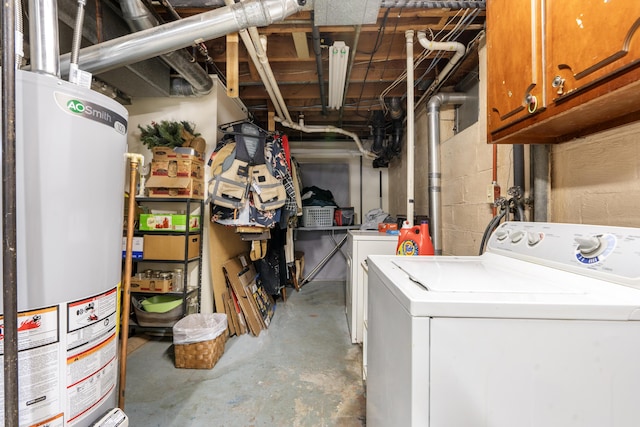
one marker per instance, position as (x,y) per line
(251,183)
(248,176)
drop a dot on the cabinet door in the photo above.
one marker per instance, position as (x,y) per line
(514,61)
(590,40)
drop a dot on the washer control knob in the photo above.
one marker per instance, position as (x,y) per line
(502,234)
(517,236)
(534,238)
(590,246)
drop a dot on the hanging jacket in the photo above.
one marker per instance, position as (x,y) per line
(248,177)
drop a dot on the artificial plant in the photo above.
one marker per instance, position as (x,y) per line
(167,133)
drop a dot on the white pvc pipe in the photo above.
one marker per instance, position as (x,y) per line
(246,39)
(410,124)
(258,56)
(251,39)
(446,46)
(327,129)
(262,56)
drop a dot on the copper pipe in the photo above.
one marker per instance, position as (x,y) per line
(126,286)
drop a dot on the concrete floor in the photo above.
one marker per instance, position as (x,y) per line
(302,371)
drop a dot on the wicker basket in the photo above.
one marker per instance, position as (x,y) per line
(317,216)
(200,355)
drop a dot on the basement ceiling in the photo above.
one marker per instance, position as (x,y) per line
(373,29)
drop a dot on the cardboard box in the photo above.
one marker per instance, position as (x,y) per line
(166,153)
(178,167)
(178,187)
(170,248)
(168,222)
(241,278)
(136,248)
(151,285)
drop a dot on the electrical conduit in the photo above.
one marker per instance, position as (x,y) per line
(139,18)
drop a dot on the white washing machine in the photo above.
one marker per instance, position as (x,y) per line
(542,330)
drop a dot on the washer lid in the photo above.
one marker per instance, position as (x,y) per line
(479,275)
(500,287)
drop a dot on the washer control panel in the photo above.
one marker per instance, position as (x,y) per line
(608,252)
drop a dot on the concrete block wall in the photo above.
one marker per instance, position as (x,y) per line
(596,180)
(466,166)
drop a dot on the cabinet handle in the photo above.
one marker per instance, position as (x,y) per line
(558,84)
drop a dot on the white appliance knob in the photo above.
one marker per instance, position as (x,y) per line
(517,236)
(533,238)
(502,234)
(589,246)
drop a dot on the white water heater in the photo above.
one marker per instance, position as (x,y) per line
(70,173)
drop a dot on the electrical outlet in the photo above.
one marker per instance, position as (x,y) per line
(490,193)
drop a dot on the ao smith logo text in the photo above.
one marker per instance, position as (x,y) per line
(92,111)
(76,106)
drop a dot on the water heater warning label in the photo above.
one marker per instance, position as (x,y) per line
(92,111)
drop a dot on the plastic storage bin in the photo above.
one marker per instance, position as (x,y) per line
(150,319)
(344,216)
(317,216)
(161,303)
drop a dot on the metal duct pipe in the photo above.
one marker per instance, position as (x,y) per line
(139,18)
(175,35)
(318,51)
(43,37)
(435,4)
(435,176)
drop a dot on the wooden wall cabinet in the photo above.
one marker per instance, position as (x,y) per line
(560,69)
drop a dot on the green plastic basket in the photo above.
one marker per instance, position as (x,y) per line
(161,303)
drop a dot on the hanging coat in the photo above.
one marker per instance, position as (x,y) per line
(248,213)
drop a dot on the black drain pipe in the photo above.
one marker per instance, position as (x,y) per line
(9,258)
(518,166)
(318,51)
